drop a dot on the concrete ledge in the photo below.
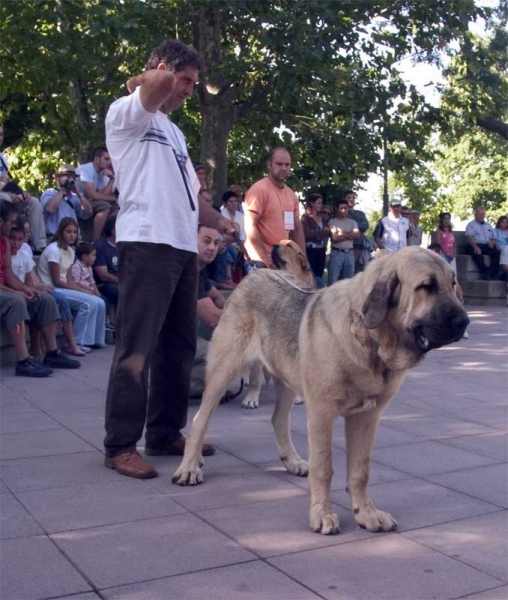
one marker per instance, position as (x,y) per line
(486,293)
(466,268)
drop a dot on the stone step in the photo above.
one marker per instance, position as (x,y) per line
(466,268)
(485,293)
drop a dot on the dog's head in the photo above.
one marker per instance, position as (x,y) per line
(411,306)
(288,256)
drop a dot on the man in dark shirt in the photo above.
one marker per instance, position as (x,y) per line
(210,305)
(363,224)
(106,262)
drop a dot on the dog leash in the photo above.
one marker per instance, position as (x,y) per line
(294,285)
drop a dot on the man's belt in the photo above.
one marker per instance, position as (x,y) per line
(342,249)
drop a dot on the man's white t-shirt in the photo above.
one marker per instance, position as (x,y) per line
(156,204)
(88,174)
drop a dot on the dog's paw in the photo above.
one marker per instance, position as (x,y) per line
(375,520)
(188,476)
(299,400)
(297,466)
(326,523)
(249,402)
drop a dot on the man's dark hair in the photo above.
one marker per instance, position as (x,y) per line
(84,249)
(227,195)
(19,226)
(6,210)
(109,226)
(435,247)
(98,152)
(274,150)
(341,201)
(176,56)
(347,192)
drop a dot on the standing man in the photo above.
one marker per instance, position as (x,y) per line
(416,231)
(156,234)
(392,231)
(344,231)
(363,224)
(271,211)
(97,182)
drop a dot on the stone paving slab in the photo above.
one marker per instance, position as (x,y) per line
(480,542)
(33,568)
(387,567)
(73,529)
(149,549)
(249,581)
(488,483)
(42,443)
(15,521)
(120,501)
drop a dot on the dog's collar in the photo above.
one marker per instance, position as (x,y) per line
(294,285)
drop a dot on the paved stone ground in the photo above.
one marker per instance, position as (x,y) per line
(73,529)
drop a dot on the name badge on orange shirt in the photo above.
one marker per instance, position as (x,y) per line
(289,220)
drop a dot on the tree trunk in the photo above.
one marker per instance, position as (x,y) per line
(215,127)
(216,98)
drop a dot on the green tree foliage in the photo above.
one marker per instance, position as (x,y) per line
(323,71)
(469,150)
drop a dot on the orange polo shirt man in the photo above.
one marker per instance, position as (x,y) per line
(271,210)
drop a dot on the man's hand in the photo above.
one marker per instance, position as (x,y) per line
(108,173)
(15,198)
(477,249)
(491,243)
(224,226)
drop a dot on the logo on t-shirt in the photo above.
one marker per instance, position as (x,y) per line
(154,134)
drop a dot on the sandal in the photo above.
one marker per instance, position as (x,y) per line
(78,352)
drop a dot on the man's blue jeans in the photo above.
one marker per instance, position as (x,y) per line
(341,265)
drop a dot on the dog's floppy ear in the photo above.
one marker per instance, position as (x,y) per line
(303,261)
(382,297)
(277,259)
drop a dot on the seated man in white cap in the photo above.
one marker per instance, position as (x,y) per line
(65,200)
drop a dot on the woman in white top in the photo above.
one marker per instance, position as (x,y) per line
(55,268)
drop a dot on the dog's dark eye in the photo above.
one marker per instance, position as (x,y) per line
(428,286)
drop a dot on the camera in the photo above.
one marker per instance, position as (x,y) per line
(70,184)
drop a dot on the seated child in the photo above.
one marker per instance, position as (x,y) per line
(82,272)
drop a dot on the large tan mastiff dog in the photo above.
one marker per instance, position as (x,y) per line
(345,349)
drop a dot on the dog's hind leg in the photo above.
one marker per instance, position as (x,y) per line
(251,400)
(360,435)
(225,361)
(281,424)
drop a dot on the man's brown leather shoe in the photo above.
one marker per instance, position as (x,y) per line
(131,464)
(177,448)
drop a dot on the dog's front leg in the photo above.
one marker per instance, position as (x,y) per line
(320,427)
(189,472)
(360,436)
(281,424)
